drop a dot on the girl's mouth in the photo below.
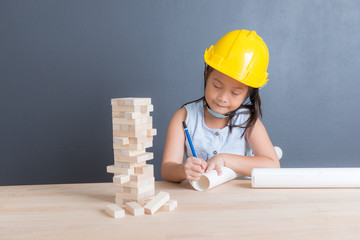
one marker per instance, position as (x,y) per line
(220,106)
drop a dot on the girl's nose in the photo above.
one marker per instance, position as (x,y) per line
(223,96)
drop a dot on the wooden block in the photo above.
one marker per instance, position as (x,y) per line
(169,205)
(137,127)
(148,108)
(118,170)
(127,196)
(144,169)
(141,140)
(122,189)
(121,140)
(135,159)
(134,208)
(129,146)
(126,108)
(136,121)
(121,179)
(151,132)
(130,115)
(147,144)
(115,211)
(130,101)
(128,164)
(138,101)
(139,184)
(132,134)
(133,146)
(128,153)
(137,108)
(121,201)
(145,201)
(135,190)
(135,196)
(157,202)
(141,177)
(141,189)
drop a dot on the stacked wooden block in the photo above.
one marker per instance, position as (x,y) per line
(133,177)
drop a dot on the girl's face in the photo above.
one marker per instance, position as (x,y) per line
(223,93)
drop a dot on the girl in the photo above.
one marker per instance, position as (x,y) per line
(224,124)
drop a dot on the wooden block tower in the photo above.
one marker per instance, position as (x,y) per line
(132,133)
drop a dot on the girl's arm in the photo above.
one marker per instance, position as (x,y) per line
(172,167)
(260,143)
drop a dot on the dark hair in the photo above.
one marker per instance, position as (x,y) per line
(252,103)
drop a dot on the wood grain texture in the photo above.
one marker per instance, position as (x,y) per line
(231,211)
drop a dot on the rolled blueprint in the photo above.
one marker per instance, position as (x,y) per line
(305,178)
(211,179)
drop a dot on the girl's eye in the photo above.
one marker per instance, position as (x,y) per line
(236,94)
(217,86)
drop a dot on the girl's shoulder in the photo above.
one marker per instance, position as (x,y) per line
(194,113)
(188,109)
(194,106)
(176,121)
(180,114)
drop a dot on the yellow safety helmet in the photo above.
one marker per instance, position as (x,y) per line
(242,55)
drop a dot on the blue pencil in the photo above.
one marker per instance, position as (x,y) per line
(189,139)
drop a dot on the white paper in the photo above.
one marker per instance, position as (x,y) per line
(305,177)
(211,179)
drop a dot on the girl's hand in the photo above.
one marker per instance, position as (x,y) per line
(216,162)
(194,168)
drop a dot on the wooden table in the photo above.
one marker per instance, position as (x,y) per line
(231,211)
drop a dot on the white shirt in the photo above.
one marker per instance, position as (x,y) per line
(208,142)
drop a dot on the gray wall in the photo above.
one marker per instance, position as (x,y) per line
(62,61)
